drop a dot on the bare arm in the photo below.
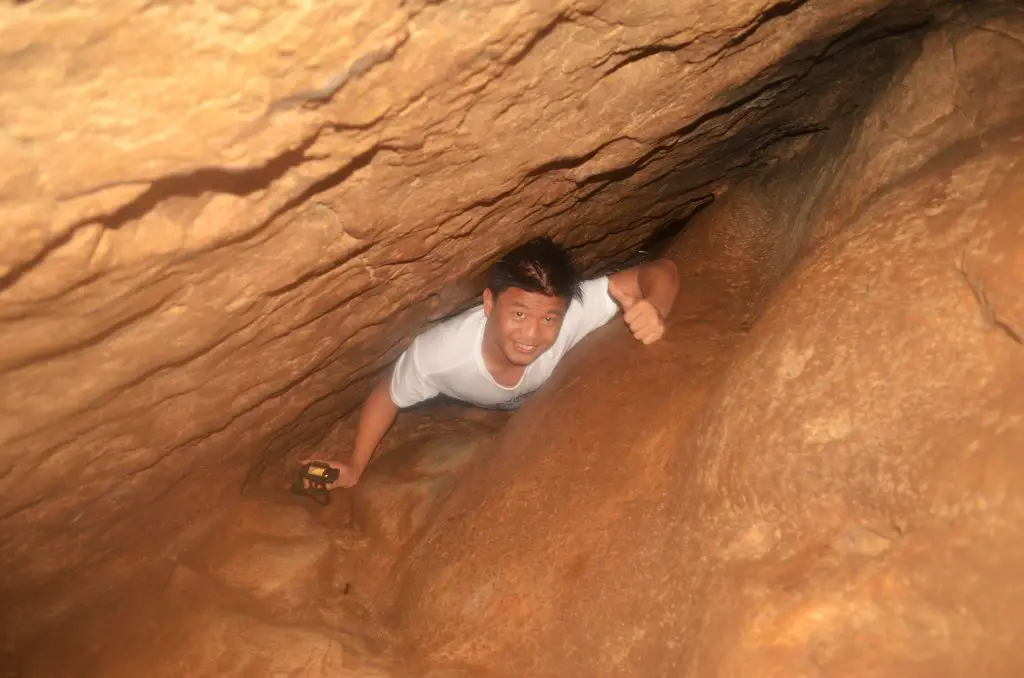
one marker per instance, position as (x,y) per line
(378,414)
(656,282)
(376,418)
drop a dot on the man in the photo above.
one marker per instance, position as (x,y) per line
(535,309)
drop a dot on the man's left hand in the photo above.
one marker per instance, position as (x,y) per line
(642,317)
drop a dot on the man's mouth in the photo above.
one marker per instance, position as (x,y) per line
(524,348)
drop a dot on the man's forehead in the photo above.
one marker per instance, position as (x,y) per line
(520,298)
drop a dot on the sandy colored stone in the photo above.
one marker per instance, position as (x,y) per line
(400,497)
(182,303)
(837,495)
(195,627)
(283,573)
(226,644)
(260,519)
(815,473)
(822,517)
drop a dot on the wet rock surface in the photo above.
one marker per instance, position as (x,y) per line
(815,473)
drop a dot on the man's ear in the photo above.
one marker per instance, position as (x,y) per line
(488,302)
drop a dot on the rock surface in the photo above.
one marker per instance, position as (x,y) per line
(837,491)
(190,288)
(814,474)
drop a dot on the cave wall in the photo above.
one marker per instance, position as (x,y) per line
(198,277)
(822,480)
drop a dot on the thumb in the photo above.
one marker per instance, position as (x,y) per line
(624,300)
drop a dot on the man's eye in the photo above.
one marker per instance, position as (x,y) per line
(520,315)
(549,319)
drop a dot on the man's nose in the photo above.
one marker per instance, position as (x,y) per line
(530,330)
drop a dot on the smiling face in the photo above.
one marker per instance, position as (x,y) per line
(522,325)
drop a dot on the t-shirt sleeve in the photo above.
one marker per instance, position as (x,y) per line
(594,310)
(411,380)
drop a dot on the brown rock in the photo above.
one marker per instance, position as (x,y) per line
(284,573)
(841,500)
(194,627)
(221,220)
(189,293)
(395,507)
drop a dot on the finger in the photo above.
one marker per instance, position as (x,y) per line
(645,325)
(654,336)
(642,320)
(643,309)
(633,313)
(649,334)
(624,300)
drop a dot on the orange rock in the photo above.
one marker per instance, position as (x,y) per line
(814,473)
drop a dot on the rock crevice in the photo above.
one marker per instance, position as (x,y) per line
(198,284)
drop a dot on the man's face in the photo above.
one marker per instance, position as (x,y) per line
(523,324)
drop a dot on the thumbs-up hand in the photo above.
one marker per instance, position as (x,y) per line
(642,317)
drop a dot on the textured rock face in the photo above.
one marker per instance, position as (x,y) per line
(204,256)
(193,284)
(837,491)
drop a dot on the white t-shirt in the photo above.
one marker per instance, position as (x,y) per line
(448,358)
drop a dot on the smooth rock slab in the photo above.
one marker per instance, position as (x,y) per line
(283,573)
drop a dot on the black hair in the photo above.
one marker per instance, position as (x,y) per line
(538,265)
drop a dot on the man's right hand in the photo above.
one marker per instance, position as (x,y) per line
(378,414)
(643,318)
(347,475)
